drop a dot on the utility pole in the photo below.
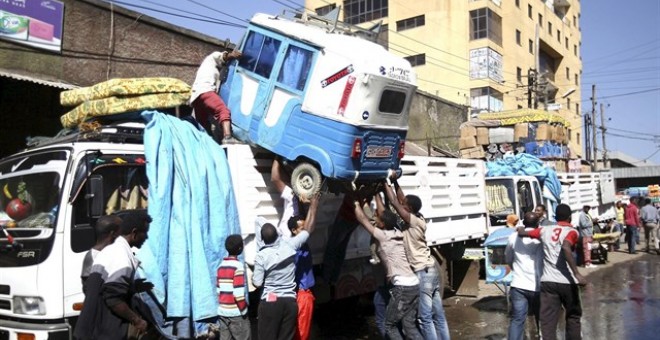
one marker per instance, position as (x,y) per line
(530,83)
(587,138)
(602,132)
(594,155)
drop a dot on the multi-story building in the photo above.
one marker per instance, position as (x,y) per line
(492,55)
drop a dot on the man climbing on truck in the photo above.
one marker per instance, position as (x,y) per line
(209,108)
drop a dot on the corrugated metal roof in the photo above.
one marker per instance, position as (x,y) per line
(638,172)
(37,79)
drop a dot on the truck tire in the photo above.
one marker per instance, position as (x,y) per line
(306,180)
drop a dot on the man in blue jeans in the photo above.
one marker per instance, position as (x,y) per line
(431,313)
(525,256)
(405,285)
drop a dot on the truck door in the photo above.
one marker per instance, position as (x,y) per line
(525,198)
(250,84)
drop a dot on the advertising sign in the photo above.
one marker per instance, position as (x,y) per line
(485,63)
(37,23)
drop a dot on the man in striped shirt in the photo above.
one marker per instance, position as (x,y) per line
(232,293)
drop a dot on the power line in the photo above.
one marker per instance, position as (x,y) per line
(217,11)
(218,22)
(625,94)
(184,11)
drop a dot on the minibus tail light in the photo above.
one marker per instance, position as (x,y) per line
(356,151)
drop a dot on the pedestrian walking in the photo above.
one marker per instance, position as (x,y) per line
(649,217)
(586,229)
(560,278)
(633,223)
(274,270)
(525,256)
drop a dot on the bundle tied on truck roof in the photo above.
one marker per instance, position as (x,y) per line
(118,96)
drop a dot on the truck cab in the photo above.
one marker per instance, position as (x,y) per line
(511,195)
(333,105)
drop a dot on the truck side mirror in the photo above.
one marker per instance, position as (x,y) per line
(95,196)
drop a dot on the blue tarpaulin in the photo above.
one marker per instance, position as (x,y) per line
(193,208)
(527,165)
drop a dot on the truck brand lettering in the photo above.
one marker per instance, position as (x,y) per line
(26,254)
(399,73)
(347,93)
(341,74)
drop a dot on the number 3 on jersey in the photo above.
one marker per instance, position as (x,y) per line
(555,234)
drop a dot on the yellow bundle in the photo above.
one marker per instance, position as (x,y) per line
(122,95)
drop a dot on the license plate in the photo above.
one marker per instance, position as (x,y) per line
(379,151)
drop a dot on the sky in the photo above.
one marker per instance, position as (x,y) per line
(620,55)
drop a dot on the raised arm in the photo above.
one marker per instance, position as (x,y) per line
(399,193)
(403,212)
(277,176)
(362,218)
(567,249)
(310,220)
(380,206)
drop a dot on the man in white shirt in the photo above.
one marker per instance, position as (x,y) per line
(525,256)
(209,107)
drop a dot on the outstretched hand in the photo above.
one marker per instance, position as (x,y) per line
(233,55)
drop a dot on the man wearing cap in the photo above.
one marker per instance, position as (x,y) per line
(208,106)
(586,228)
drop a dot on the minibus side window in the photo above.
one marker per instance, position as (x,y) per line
(259,54)
(295,69)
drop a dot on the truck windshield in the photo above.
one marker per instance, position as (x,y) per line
(500,196)
(31,191)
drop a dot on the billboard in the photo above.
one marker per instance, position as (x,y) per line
(37,23)
(486,63)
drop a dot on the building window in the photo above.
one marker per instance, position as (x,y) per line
(519,74)
(566,42)
(325,9)
(409,23)
(578,137)
(574,21)
(575,50)
(485,23)
(541,20)
(416,60)
(359,11)
(577,112)
(559,36)
(568,73)
(518,3)
(550,28)
(486,98)
(570,135)
(518,38)
(576,79)
(568,103)
(529,11)
(519,106)
(531,46)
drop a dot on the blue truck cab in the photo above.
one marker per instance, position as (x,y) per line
(333,105)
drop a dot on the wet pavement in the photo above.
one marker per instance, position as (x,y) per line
(620,302)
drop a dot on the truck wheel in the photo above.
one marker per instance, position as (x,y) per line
(306,180)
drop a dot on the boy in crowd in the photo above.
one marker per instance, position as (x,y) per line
(232,293)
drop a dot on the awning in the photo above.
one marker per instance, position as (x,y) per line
(37,79)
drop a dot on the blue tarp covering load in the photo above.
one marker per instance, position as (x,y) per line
(193,208)
(527,165)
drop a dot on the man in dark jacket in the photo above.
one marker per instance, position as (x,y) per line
(111,284)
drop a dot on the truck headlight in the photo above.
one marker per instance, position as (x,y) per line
(29,305)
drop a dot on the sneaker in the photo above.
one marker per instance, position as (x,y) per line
(590,265)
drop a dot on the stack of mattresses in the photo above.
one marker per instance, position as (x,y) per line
(119,96)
